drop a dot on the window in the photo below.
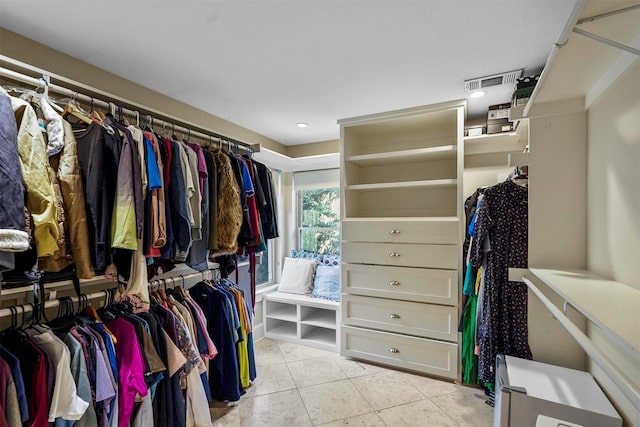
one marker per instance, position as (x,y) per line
(264,270)
(319,220)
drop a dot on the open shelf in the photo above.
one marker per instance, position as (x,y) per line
(594,297)
(392,202)
(276,310)
(418,154)
(433,183)
(318,317)
(282,314)
(498,143)
(318,336)
(280,328)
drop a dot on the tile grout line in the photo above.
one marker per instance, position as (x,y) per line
(445,412)
(298,391)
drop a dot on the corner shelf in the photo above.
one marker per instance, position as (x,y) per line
(594,296)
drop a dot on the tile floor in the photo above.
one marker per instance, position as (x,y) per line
(303,386)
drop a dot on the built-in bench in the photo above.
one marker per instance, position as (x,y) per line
(302,319)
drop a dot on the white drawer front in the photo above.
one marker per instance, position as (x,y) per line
(405,283)
(412,318)
(417,354)
(434,232)
(407,255)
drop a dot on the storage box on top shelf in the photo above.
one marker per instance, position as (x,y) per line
(523,90)
(475,130)
(498,119)
(498,113)
(499,127)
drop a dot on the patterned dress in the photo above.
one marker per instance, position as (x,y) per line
(502,218)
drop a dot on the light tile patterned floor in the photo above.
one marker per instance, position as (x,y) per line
(301,386)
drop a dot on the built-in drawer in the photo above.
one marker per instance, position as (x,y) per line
(405,283)
(407,255)
(417,354)
(433,231)
(412,318)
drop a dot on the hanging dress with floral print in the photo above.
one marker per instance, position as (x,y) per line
(502,219)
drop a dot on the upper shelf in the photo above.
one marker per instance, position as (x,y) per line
(498,143)
(420,154)
(403,185)
(610,305)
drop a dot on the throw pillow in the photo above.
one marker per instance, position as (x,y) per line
(327,282)
(306,255)
(297,276)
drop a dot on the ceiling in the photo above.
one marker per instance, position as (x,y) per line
(266,65)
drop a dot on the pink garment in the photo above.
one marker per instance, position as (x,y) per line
(199,315)
(130,368)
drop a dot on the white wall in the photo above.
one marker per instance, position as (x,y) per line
(613,214)
(614,181)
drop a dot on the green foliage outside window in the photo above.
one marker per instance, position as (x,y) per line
(319,230)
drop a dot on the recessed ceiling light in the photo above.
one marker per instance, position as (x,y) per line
(302,124)
(477,94)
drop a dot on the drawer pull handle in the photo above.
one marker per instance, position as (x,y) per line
(394,316)
(394,283)
(394,350)
(394,254)
(394,231)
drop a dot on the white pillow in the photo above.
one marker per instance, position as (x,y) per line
(297,276)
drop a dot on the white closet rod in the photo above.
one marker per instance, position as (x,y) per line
(135,110)
(27,308)
(587,345)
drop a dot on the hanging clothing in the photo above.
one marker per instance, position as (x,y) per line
(224,377)
(179,204)
(65,402)
(212,186)
(34,162)
(230,213)
(66,167)
(98,157)
(502,218)
(13,236)
(268,212)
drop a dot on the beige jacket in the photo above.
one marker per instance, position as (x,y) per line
(75,246)
(32,151)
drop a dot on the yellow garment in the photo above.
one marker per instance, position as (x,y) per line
(241,346)
(41,201)
(478,280)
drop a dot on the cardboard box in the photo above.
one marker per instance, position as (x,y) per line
(498,113)
(499,127)
(475,130)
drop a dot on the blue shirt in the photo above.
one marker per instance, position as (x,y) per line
(14,366)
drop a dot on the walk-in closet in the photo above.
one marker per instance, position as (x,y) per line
(286,213)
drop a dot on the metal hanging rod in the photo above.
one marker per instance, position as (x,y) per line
(27,308)
(618,378)
(90,95)
(607,41)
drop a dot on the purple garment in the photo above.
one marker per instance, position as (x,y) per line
(203,173)
(104,386)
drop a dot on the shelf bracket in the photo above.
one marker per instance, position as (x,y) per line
(604,39)
(607,41)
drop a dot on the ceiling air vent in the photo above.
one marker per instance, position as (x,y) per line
(508,78)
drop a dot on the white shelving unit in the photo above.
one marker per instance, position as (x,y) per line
(302,319)
(401,179)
